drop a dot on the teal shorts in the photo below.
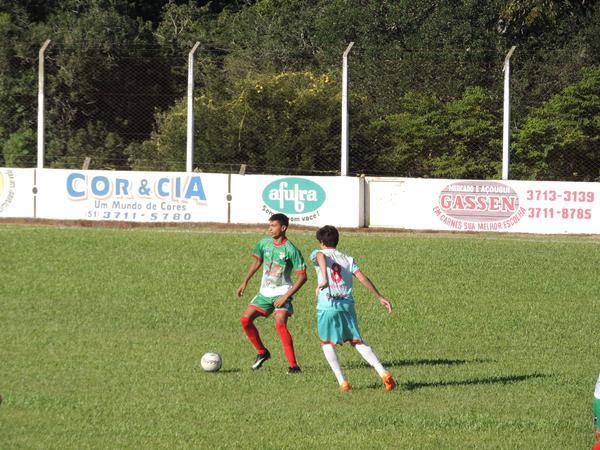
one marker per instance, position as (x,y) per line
(336,327)
(265,306)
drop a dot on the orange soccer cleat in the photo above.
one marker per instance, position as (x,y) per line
(388,381)
(345,386)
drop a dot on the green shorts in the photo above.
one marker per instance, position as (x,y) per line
(265,306)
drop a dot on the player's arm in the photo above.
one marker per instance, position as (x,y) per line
(322,263)
(366,282)
(254,266)
(301,279)
(299,266)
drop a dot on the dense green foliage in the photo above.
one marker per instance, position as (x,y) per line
(288,116)
(561,139)
(425,91)
(492,341)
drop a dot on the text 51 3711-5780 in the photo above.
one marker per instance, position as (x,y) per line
(141,216)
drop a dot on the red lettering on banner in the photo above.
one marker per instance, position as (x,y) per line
(478,205)
(492,203)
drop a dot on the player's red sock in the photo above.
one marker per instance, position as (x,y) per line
(288,343)
(252,333)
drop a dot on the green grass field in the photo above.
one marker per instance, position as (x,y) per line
(493,340)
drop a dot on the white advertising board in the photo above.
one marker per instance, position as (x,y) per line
(488,206)
(312,201)
(131,196)
(16,192)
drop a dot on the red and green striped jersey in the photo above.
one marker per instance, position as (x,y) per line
(279,259)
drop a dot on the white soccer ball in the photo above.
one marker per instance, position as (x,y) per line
(211,362)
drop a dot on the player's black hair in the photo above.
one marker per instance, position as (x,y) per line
(328,235)
(281,218)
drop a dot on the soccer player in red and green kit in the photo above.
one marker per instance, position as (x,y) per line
(279,257)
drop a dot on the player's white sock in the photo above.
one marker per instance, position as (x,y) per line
(369,356)
(332,359)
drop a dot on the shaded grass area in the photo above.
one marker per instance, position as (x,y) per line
(492,341)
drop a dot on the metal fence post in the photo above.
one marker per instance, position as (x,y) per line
(190,112)
(345,121)
(506,126)
(41,114)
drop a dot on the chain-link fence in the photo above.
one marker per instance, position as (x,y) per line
(439,114)
(413,113)
(100,105)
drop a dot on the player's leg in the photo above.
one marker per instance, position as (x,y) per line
(350,324)
(247,321)
(281,318)
(331,330)
(332,358)
(371,358)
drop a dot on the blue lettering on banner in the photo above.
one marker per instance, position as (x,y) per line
(100,186)
(195,189)
(160,188)
(71,190)
(173,187)
(80,186)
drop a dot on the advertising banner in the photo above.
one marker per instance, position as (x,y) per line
(131,196)
(489,206)
(311,201)
(16,193)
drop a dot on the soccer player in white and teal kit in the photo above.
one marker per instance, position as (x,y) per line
(279,257)
(336,317)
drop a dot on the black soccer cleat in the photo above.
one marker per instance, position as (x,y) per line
(294,369)
(260,359)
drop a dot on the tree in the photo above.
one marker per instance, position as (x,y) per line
(425,79)
(561,139)
(473,148)
(101,75)
(19,149)
(17,75)
(555,40)
(432,138)
(69,148)
(276,123)
(409,138)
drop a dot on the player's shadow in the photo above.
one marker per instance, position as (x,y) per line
(509,379)
(419,362)
(435,362)
(234,370)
